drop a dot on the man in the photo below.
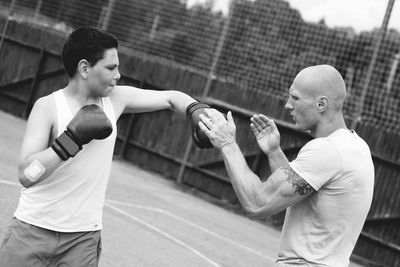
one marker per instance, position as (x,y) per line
(327,190)
(67,152)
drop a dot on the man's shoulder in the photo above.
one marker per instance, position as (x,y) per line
(321,143)
(321,150)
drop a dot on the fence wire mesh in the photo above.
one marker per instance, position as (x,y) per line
(259,44)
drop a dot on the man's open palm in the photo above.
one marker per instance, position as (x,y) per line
(266,133)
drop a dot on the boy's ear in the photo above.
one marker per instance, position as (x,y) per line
(83,65)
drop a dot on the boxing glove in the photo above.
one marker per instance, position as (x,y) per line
(193,112)
(89,123)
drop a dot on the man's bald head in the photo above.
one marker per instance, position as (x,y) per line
(323,80)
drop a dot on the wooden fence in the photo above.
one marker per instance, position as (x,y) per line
(160,141)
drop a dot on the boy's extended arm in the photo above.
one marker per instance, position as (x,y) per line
(130,99)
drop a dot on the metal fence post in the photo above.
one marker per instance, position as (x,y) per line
(392,73)
(10,12)
(37,10)
(358,114)
(107,16)
(218,50)
(210,78)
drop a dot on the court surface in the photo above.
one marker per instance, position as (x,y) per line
(150,221)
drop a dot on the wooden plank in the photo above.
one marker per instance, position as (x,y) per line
(384,219)
(175,160)
(29,45)
(381,241)
(125,137)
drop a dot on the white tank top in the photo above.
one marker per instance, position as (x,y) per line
(72,198)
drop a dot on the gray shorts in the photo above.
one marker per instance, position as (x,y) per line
(24,244)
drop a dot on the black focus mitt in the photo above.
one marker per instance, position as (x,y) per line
(193,112)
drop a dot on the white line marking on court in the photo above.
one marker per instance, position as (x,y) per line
(10,183)
(193,225)
(161,232)
(166,234)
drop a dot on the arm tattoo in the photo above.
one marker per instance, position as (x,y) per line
(298,183)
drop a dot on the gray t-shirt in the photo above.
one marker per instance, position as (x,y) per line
(322,229)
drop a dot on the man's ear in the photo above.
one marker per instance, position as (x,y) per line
(322,103)
(83,66)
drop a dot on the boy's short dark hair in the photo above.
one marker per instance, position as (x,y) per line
(86,43)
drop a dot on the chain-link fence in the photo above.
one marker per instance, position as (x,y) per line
(258,44)
(251,50)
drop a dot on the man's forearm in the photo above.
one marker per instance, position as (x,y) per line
(277,159)
(243,180)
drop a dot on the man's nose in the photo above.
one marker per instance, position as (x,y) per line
(288,106)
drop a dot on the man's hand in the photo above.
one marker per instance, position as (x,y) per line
(220,131)
(266,133)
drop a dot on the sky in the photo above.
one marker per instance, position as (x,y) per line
(362,15)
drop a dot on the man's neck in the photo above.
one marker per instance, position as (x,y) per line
(327,127)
